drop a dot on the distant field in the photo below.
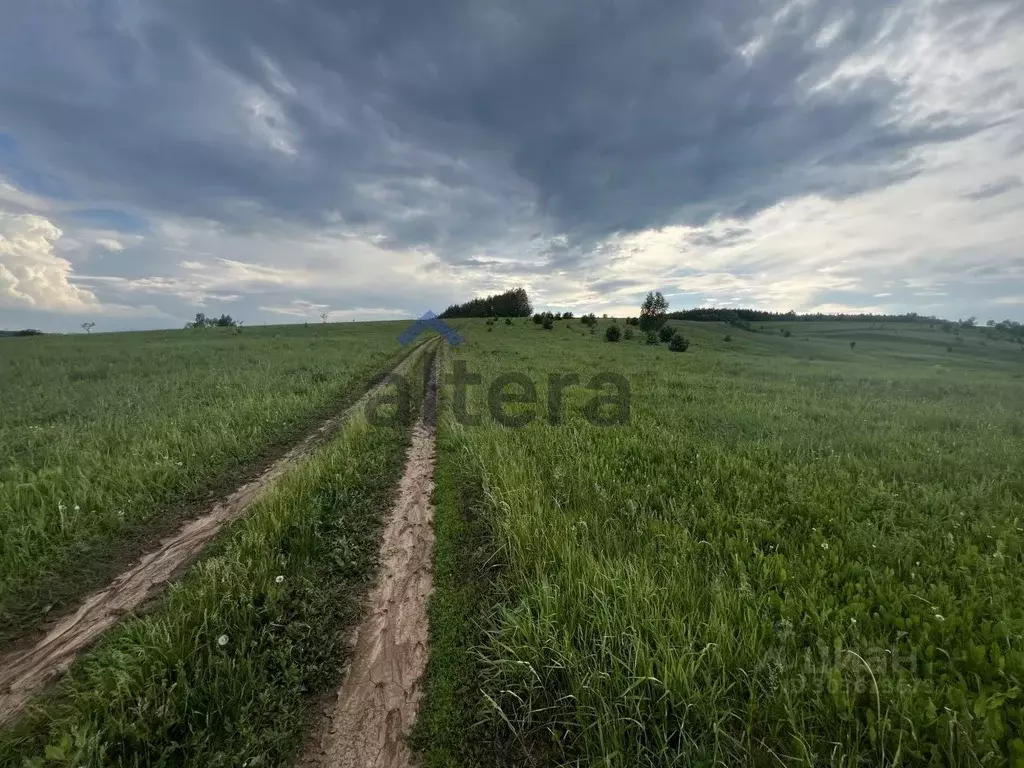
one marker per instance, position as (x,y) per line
(797,552)
(108,438)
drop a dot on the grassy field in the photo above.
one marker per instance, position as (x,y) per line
(222,671)
(798,551)
(108,440)
(796,545)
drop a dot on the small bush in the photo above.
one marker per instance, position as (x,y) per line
(628,334)
(548,323)
(727,338)
(490,329)
(853,344)
(679,343)
(538,318)
(666,333)
(786,334)
(508,321)
(612,333)
(652,337)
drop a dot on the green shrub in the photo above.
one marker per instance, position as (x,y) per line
(508,321)
(666,333)
(612,333)
(628,334)
(786,334)
(727,338)
(548,323)
(652,338)
(679,343)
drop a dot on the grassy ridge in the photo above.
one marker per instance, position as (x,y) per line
(796,552)
(101,435)
(221,672)
(464,584)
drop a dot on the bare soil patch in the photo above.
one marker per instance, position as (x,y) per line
(366,724)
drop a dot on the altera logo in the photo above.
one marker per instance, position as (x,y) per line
(430,321)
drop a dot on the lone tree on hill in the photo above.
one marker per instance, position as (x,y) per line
(87,327)
(653,312)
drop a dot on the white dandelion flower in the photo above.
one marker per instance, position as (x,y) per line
(824,545)
(279,579)
(222,640)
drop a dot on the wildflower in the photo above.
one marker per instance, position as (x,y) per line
(824,545)
(76,507)
(222,640)
(853,620)
(940,617)
(279,579)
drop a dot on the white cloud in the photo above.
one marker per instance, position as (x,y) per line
(31,274)
(110,244)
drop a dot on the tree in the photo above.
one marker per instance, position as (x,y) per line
(666,333)
(612,333)
(678,343)
(87,327)
(653,312)
(514,303)
(548,323)
(324,316)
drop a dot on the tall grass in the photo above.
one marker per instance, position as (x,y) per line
(106,439)
(779,560)
(221,673)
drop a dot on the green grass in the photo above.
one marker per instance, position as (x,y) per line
(223,671)
(108,440)
(795,553)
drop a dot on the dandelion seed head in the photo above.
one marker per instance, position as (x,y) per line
(222,640)
(279,579)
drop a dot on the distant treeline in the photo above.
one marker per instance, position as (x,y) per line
(23,332)
(514,303)
(722,315)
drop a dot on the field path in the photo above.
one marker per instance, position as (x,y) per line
(377,703)
(24,672)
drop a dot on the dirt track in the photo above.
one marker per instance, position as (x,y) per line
(377,703)
(23,673)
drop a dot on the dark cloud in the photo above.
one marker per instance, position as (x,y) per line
(453,124)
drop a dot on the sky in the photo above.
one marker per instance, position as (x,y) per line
(375,159)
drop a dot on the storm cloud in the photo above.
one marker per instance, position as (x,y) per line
(472,143)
